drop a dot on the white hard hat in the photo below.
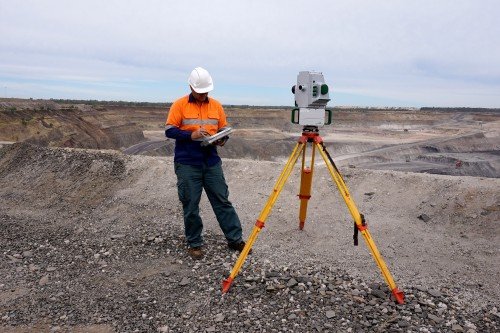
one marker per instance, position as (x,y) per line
(200,80)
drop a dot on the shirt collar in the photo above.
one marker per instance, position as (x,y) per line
(193,100)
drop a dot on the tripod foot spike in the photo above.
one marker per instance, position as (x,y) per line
(399,295)
(226,284)
(301,225)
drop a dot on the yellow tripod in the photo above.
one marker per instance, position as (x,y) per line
(310,135)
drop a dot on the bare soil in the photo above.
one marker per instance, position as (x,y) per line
(87,229)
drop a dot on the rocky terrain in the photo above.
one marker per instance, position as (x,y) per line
(92,239)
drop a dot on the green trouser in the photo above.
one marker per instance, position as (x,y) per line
(191,180)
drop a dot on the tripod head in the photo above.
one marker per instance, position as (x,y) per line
(311,97)
(310,129)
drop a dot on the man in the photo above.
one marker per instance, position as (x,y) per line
(198,167)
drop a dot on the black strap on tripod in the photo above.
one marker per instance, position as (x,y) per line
(356,230)
(363,221)
(330,159)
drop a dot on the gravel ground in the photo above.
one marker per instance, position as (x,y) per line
(92,242)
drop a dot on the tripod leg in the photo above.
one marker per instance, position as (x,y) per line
(358,219)
(305,187)
(259,224)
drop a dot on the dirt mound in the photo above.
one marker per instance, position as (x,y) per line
(72,178)
(95,238)
(47,123)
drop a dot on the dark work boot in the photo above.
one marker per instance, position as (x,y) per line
(196,252)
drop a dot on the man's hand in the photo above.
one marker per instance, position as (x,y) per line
(198,134)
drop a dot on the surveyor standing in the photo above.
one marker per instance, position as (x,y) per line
(198,167)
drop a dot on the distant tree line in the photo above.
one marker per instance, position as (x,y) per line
(246,106)
(94,102)
(459,109)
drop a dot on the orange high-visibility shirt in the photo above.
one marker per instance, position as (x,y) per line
(188,115)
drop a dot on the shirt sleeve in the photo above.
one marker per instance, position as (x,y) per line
(174,117)
(174,121)
(176,133)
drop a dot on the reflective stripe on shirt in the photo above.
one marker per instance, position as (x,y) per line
(200,121)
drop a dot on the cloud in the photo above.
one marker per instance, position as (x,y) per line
(392,50)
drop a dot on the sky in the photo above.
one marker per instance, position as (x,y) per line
(407,53)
